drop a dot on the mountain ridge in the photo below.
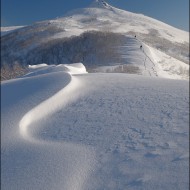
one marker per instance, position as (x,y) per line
(100,4)
(101,17)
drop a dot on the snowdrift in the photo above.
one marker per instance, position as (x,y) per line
(63,128)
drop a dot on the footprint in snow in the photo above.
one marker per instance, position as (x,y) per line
(182,157)
(170,144)
(140,181)
(153,154)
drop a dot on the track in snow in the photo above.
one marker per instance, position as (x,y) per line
(133,57)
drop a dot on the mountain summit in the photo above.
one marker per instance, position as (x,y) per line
(99,4)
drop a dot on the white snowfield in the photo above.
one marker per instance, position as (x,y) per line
(65,129)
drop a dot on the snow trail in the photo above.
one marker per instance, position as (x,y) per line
(136,53)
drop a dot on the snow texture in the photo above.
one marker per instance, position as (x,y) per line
(63,128)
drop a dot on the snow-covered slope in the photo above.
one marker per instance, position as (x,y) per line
(63,130)
(107,17)
(103,17)
(170,43)
(9,29)
(139,58)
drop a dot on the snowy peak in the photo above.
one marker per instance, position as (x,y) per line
(31,42)
(100,4)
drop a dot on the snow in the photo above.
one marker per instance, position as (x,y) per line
(102,16)
(37,66)
(169,67)
(63,128)
(165,48)
(9,29)
(149,61)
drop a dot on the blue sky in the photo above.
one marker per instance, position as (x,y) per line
(25,12)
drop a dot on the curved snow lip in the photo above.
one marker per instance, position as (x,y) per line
(9,29)
(75,68)
(47,107)
(28,161)
(37,66)
(79,158)
(54,103)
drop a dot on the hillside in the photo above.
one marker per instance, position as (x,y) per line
(28,45)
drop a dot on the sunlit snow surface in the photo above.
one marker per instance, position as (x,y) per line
(65,129)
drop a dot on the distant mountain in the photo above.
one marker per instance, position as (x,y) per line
(50,41)
(9,29)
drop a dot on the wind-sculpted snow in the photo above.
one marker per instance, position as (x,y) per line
(35,163)
(47,107)
(66,129)
(55,103)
